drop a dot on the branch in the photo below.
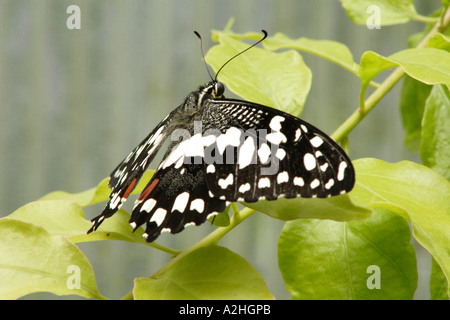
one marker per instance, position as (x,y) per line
(384,87)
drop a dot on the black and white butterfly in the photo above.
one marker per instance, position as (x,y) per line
(221,151)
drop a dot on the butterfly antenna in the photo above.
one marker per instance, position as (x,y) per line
(203,56)
(238,54)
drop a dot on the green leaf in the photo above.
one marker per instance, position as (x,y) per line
(284,76)
(439,41)
(339,208)
(438,284)
(332,51)
(32,260)
(371,65)
(367,259)
(390,12)
(414,191)
(412,104)
(222,219)
(428,65)
(435,146)
(64,217)
(84,198)
(97,194)
(206,273)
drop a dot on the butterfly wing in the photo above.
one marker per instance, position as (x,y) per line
(127,174)
(263,153)
(176,196)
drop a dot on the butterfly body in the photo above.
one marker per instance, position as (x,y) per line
(221,151)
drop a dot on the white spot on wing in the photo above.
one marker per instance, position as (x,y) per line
(304,128)
(309,161)
(329,184)
(276,138)
(244,187)
(275,123)
(224,183)
(138,151)
(179,163)
(195,146)
(231,137)
(180,202)
(211,168)
(342,166)
(264,153)
(282,177)
(208,140)
(114,201)
(158,216)
(298,181)
(280,154)
(315,183)
(177,153)
(246,152)
(157,135)
(197,204)
(148,205)
(297,135)
(316,141)
(264,183)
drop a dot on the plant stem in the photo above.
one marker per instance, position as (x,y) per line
(384,87)
(424,19)
(168,250)
(212,238)
(369,104)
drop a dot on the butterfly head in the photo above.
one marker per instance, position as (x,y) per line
(214,88)
(218,89)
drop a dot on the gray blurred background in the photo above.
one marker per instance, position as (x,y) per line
(74,103)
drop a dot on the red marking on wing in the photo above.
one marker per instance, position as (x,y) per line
(148,189)
(130,188)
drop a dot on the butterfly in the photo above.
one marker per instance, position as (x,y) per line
(221,151)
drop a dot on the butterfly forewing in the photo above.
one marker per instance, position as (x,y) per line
(127,174)
(265,153)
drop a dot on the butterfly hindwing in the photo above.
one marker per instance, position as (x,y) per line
(176,197)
